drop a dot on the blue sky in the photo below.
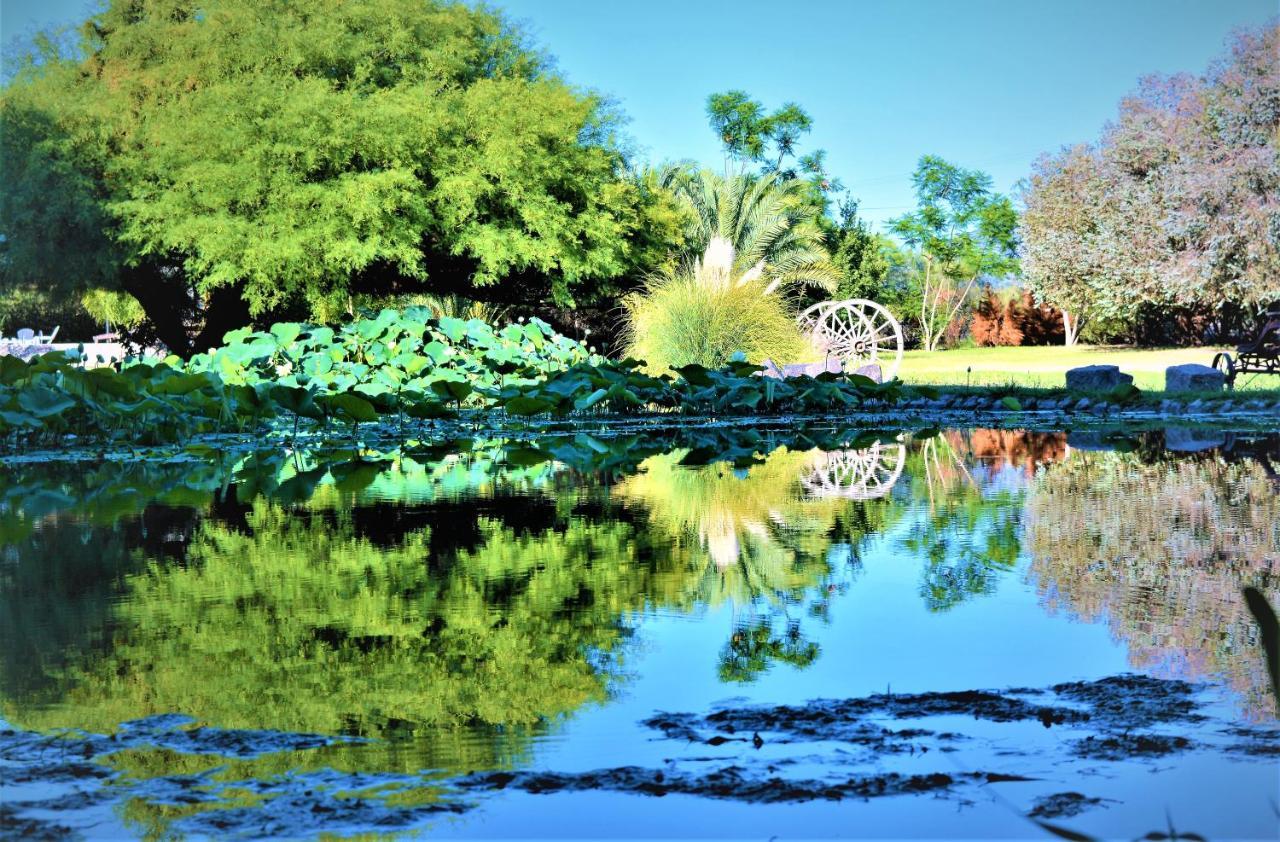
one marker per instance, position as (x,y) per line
(985,83)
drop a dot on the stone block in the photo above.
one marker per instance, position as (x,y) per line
(871,370)
(1193,377)
(1097,378)
(830,365)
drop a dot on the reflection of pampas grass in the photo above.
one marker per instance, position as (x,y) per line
(755,527)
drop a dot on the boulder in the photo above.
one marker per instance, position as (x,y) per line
(1193,377)
(871,370)
(830,365)
(1097,378)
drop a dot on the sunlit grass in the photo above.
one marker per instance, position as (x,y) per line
(1046,367)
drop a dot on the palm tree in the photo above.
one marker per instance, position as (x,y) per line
(764,225)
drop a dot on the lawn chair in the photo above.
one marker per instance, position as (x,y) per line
(25,336)
(42,339)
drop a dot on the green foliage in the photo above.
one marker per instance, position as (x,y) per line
(40,309)
(303,617)
(301,151)
(397,359)
(767,221)
(772,140)
(964,231)
(119,309)
(389,368)
(873,266)
(680,320)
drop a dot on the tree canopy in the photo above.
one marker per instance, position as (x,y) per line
(963,230)
(219,159)
(1178,203)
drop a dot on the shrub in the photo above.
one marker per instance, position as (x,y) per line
(681,319)
(1014,319)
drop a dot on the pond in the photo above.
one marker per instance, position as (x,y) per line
(645,633)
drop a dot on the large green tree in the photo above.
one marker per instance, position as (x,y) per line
(219,159)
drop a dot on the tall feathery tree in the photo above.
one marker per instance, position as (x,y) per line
(219,159)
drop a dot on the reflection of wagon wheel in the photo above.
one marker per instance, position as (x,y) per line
(1223,362)
(865,474)
(856,331)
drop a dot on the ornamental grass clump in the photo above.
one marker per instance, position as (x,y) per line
(703,315)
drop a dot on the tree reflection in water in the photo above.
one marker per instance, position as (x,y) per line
(457,604)
(1159,549)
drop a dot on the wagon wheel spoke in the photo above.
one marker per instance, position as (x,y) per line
(856,331)
(864,474)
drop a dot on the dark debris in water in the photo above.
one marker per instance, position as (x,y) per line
(1130,746)
(741,754)
(1134,701)
(1061,805)
(733,783)
(17,826)
(1116,703)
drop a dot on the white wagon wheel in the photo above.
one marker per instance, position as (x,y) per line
(866,474)
(856,331)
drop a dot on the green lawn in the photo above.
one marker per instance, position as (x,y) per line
(1045,367)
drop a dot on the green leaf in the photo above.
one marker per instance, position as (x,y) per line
(429,409)
(524,406)
(701,456)
(350,406)
(12,370)
(355,475)
(525,457)
(299,487)
(451,389)
(585,403)
(862,382)
(180,384)
(286,333)
(44,403)
(1011,403)
(297,400)
(695,375)
(19,419)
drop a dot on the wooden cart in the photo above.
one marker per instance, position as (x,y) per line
(1260,356)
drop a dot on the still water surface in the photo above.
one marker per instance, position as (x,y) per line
(595,636)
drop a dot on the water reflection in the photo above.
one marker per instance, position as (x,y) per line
(446,604)
(1158,549)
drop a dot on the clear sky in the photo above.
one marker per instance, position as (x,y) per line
(985,83)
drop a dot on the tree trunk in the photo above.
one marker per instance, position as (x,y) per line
(1071,331)
(164,300)
(170,308)
(225,310)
